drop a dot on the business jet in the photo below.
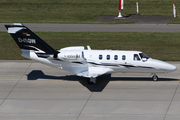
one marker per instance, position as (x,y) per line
(85,62)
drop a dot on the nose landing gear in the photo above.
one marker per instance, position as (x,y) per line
(155,77)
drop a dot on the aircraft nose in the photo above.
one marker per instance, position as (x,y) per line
(169,67)
(163,66)
(172,67)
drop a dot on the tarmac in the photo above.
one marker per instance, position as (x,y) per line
(138,19)
(99,27)
(30,90)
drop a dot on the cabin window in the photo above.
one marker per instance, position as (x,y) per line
(136,57)
(108,57)
(115,57)
(100,57)
(123,57)
(82,54)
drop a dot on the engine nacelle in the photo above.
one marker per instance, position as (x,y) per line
(71,56)
(77,48)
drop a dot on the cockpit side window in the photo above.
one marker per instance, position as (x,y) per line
(136,57)
(142,55)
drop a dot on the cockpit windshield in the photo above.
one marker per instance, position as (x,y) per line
(142,55)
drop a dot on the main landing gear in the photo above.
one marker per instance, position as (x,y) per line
(91,81)
(155,77)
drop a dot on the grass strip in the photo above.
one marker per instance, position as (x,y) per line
(80,11)
(163,46)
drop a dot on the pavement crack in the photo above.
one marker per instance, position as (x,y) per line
(86,102)
(15,85)
(171,100)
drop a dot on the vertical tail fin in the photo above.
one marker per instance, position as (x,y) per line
(27,40)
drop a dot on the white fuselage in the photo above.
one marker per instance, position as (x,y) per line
(93,63)
(85,62)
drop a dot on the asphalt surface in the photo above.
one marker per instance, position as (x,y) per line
(30,90)
(100,27)
(138,19)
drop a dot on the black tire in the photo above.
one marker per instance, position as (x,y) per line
(89,82)
(155,78)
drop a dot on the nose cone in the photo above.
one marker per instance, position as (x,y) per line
(164,66)
(167,67)
(170,67)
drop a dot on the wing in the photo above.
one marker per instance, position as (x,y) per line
(94,72)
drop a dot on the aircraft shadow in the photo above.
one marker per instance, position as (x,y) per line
(140,79)
(38,74)
(101,83)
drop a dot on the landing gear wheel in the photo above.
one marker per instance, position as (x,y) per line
(91,81)
(155,77)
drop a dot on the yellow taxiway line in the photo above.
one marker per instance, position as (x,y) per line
(63,80)
(32,80)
